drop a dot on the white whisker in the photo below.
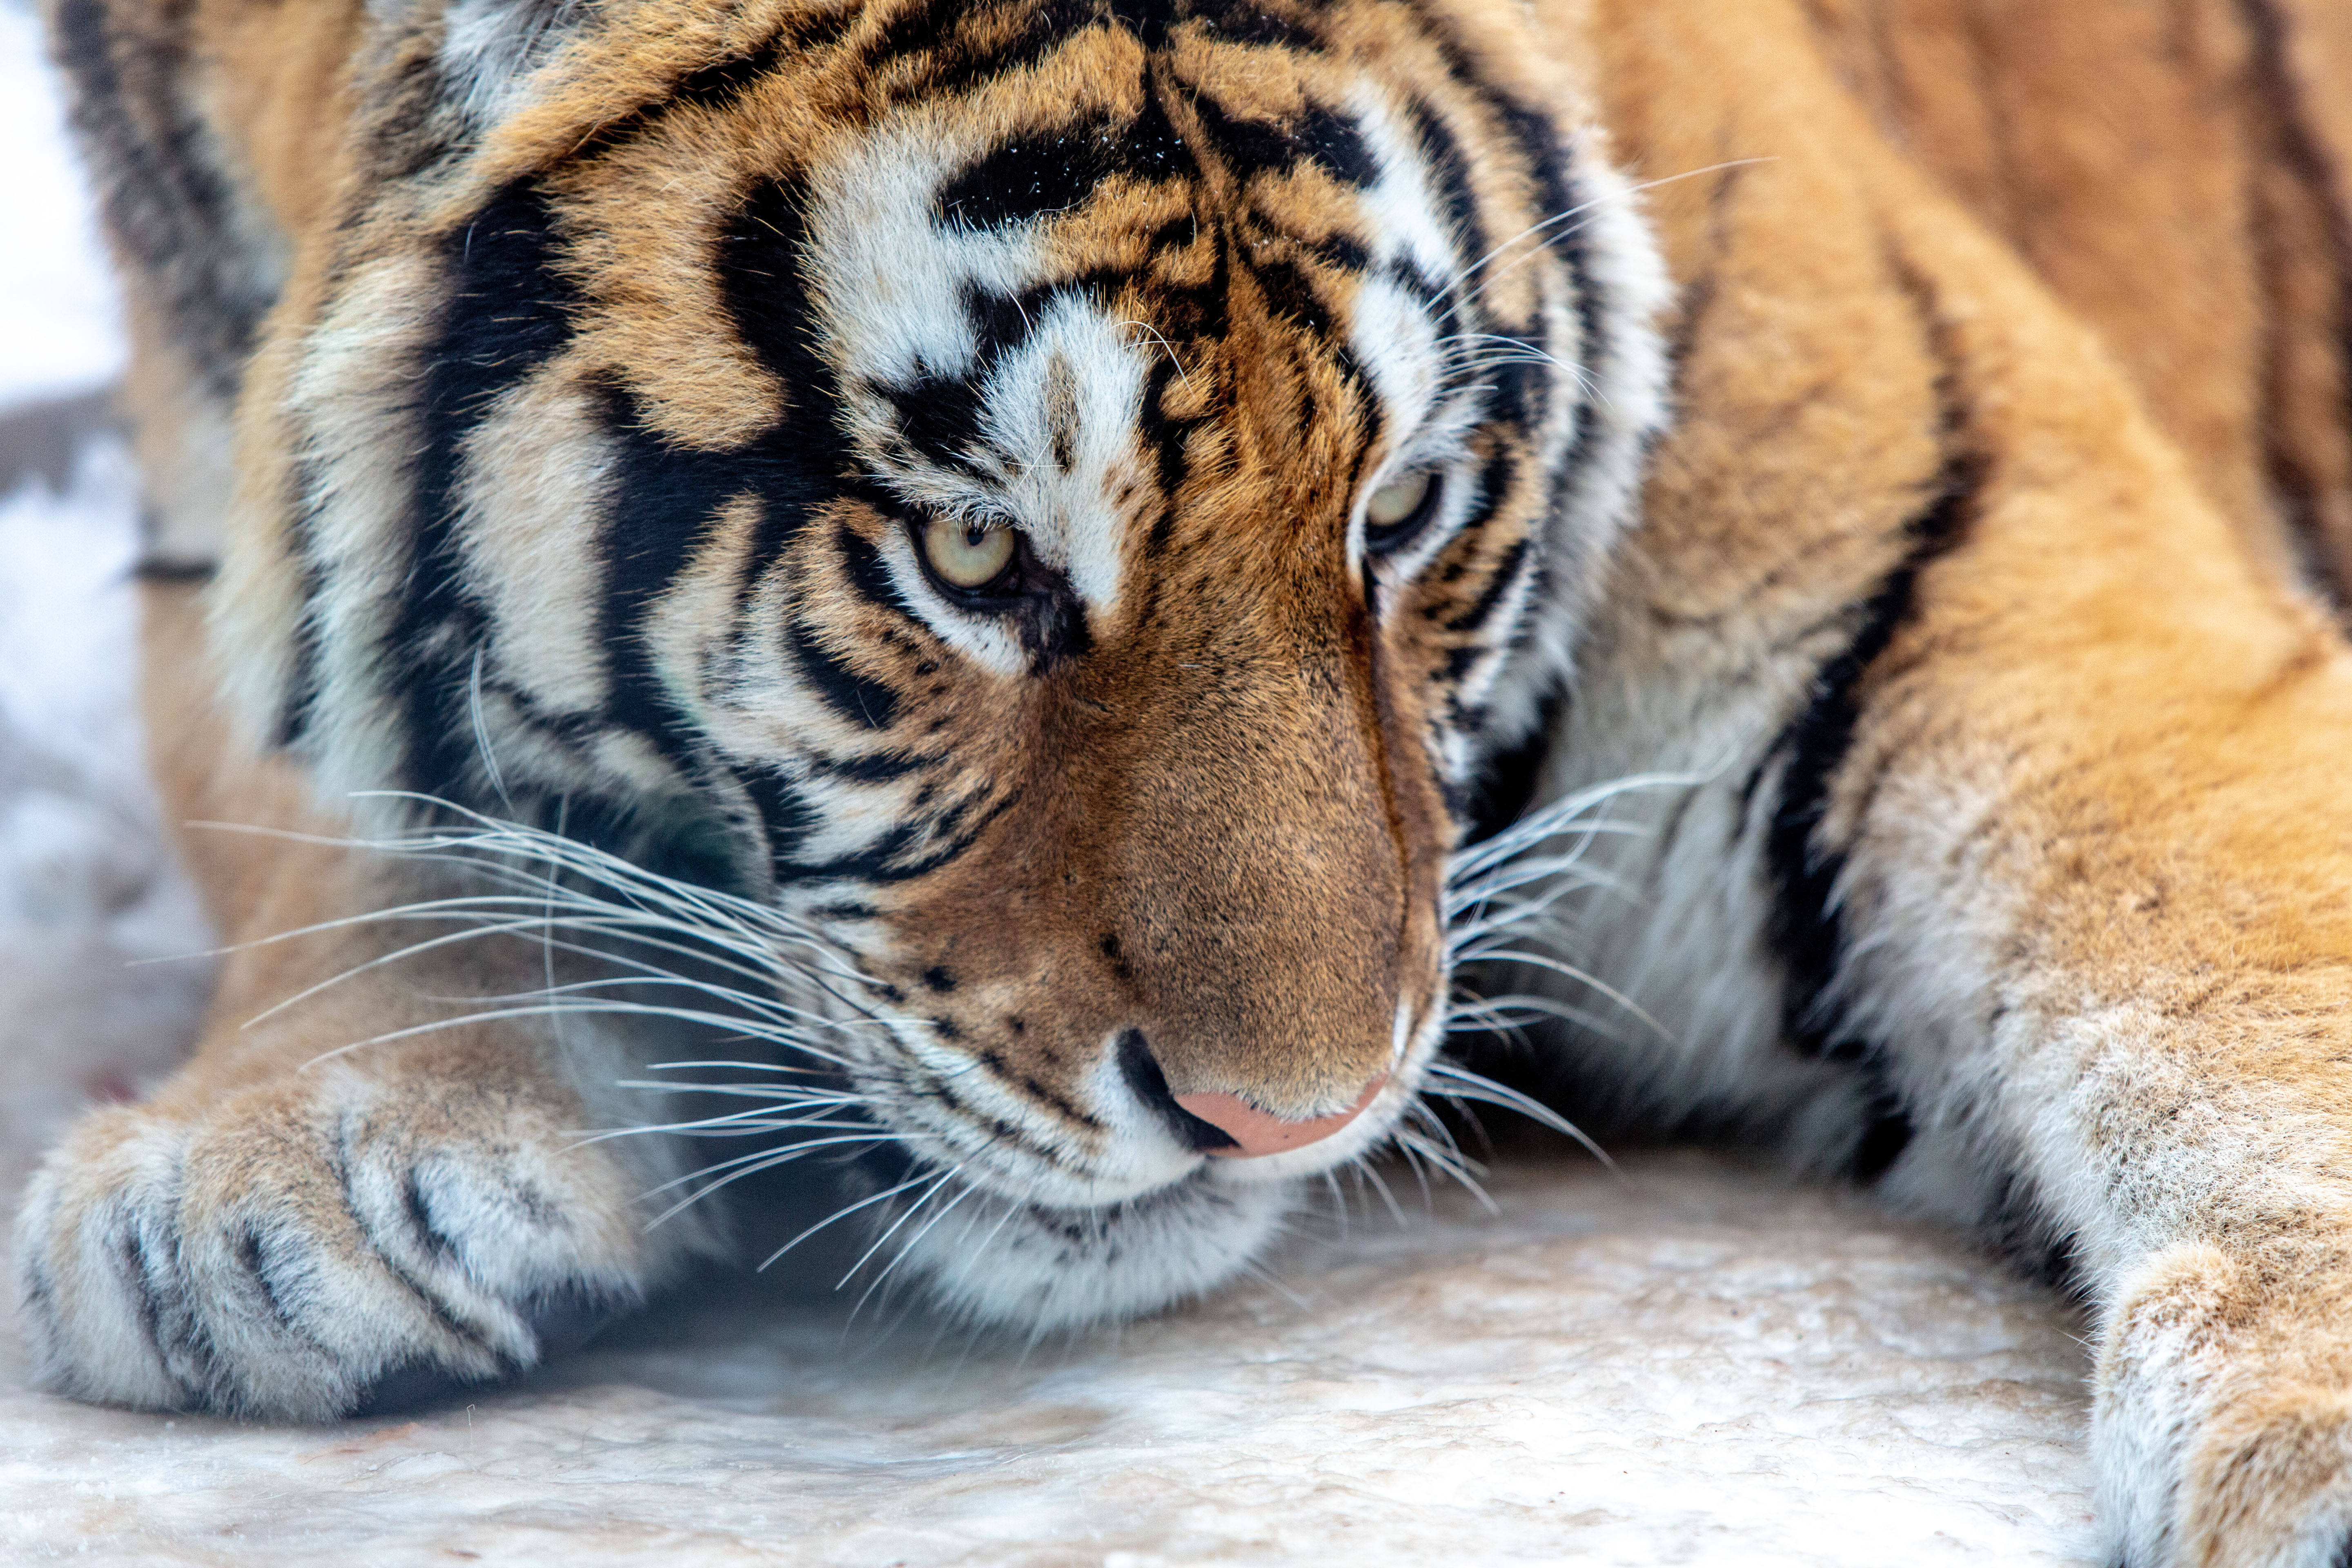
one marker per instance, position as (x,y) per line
(1464,1084)
(841,1213)
(912,1209)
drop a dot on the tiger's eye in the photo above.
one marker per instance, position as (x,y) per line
(966,553)
(1395,502)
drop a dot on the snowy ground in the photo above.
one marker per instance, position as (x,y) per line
(1690,1364)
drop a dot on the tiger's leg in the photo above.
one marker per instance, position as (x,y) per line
(2092,847)
(2025,850)
(283,1231)
(2073,830)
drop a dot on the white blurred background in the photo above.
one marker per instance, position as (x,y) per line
(97,999)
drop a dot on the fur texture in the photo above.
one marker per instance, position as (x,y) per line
(1968,649)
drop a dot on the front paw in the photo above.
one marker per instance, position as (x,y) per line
(304,1250)
(2224,1419)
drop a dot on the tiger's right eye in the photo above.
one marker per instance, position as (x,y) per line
(966,553)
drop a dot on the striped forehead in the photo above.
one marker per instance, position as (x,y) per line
(1396,322)
(985,371)
(971,384)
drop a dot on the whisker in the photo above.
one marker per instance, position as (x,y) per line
(1539,960)
(753,1163)
(1468,1085)
(1338,1200)
(911,1243)
(841,1213)
(1363,1171)
(1580,209)
(912,1209)
(1273,1282)
(1414,1144)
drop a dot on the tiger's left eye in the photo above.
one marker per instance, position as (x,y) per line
(1394,512)
(967,554)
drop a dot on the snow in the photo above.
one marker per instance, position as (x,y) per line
(60,328)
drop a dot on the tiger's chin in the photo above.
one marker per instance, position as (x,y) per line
(1005,1263)
(1005,1241)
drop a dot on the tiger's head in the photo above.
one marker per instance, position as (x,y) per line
(1066,500)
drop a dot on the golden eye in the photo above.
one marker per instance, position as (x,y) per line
(966,553)
(1398,503)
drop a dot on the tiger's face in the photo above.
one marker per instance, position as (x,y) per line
(1066,498)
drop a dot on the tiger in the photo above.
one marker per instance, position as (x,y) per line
(1091,583)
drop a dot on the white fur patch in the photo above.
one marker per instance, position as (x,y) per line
(1057,412)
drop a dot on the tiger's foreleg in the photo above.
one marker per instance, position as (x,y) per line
(290,1228)
(2088,854)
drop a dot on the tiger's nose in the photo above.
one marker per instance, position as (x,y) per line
(1256,1132)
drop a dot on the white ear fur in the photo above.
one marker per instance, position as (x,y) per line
(488,48)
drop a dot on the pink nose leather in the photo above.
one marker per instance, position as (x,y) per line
(1256,1133)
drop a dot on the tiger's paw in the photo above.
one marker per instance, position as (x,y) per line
(2222,1427)
(313,1249)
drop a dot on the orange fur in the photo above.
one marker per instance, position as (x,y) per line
(2008,470)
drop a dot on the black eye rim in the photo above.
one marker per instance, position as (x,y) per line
(1388,541)
(999,595)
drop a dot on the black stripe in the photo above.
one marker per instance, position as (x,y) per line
(1886,1133)
(719,85)
(786,817)
(2022,1230)
(963,47)
(174,573)
(1145,1079)
(999,1130)
(1507,779)
(414,125)
(1442,151)
(862,567)
(666,499)
(881,862)
(1318,136)
(1290,294)
(137,1270)
(1045,172)
(252,1255)
(298,704)
(854,695)
(170,203)
(429,1237)
(1041,1093)
(1166,436)
(940,418)
(1523,398)
(1805,926)
(763,272)
(880,767)
(509,311)
(1500,583)
(442,1311)
(1246,22)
